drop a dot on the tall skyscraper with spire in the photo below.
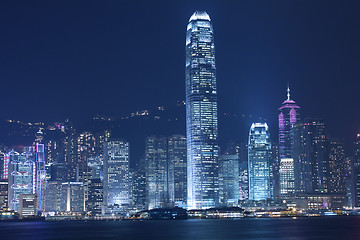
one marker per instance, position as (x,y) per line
(201,113)
(288,116)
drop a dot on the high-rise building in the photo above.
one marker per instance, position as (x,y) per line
(356,173)
(85,150)
(286,173)
(22,176)
(288,116)
(242,152)
(95,201)
(260,179)
(157,194)
(2,164)
(4,203)
(310,160)
(70,156)
(201,114)
(72,197)
(27,205)
(138,190)
(243,181)
(275,163)
(52,196)
(229,180)
(337,168)
(116,175)
(177,170)
(40,176)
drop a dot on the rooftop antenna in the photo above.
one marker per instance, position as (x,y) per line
(288,92)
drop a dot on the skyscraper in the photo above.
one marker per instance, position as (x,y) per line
(116,174)
(157,194)
(201,113)
(288,116)
(229,180)
(177,170)
(310,160)
(356,172)
(22,177)
(337,168)
(40,176)
(72,197)
(260,179)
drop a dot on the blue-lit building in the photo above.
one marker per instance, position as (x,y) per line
(229,180)
(116,175)
(22,176)
(201,114)
(259,155)
(157,194)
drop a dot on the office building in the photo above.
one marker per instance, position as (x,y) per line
(310,160)
(157,194)
(27,205)
(259,154)
(177,170)
(288,116)
(52,196)
(116,175)
(22,176)
(201,114)
(72,197)
(229,180)
(4,203)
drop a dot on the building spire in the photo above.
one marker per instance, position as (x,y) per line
(288,92)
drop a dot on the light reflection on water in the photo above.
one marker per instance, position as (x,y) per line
(283,228)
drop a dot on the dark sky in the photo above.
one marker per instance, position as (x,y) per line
(80,58)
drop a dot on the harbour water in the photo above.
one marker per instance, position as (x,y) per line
(247,228)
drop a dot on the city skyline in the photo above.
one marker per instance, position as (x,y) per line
(257,136)
(90,171)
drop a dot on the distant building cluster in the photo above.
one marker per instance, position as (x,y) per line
(70,172)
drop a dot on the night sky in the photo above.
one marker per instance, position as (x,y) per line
(76,59)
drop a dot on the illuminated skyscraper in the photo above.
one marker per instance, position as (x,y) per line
(40,176)
(288,116)
(310,160)
(177,170)
(157,194)
(356,172)
(22,176)
(201,114)
(72,197)
(116,174)
(260,179)
(338,168)
(286,173)
(229,180)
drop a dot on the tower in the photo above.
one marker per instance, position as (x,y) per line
(259,147)
(288,116)
(201,114)
(116,175)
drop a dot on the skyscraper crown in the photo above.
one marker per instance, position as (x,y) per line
(199,15)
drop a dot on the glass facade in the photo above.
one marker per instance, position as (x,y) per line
(288,116)
(116,174)
(310,160)
(259,155)
(157,194)
(201,114)
(229,180)
(177,170)
(22,175)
